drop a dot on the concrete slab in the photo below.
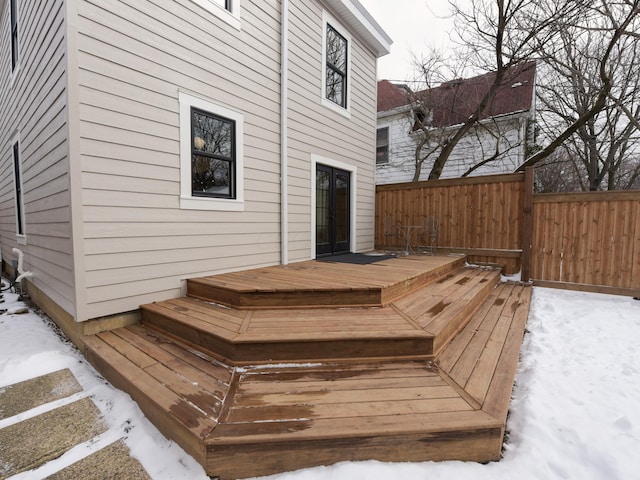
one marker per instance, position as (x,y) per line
(33,442)
(110,463)
(23,396)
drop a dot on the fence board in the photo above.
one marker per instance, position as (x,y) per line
(477,213)
(584,241)
(587,239)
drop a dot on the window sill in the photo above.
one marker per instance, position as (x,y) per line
(232,19)
(336,108)
(193,203)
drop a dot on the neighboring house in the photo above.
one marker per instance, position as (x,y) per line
(143,143)
(506,125)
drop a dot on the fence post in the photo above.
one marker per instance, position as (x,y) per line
(527,224)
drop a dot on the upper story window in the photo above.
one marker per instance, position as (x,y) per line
(382,145)
(336,66)
(227,10)
(14,34)
(211,155)
(226,4)
(336,81)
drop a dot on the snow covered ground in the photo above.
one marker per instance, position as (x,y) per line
(575,412)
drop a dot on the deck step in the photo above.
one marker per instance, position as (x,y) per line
(425,376)
(298,415)
(180,390)
(320,284)
(293,415)
(417,325)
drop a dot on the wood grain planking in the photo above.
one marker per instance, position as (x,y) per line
(352,427)
(326,396)
(196,358)
(498,397)
(458,345)
(168,412)
(393,379)
(468,357)
(339,370)
(482,374)
(213,379)
(475,445)
(192,321)
(140,358)
(338,411)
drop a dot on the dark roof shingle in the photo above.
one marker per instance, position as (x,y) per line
(453,102)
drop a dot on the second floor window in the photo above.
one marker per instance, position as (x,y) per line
(226,4)
(382,145)
(336,80)
(14,34)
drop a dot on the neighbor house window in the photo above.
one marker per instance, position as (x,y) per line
(17,183)
(227,10)
(211,155)
(336,66)
(382,145)
(14,34)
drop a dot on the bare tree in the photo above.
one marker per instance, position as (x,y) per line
(611,25)
(500,34)
(437,113)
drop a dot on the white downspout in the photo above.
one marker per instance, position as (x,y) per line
(21,272)
(284,167)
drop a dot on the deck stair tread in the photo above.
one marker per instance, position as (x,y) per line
(322,283)
(418,324)
(297,414)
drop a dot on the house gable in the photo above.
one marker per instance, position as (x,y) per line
(507,117)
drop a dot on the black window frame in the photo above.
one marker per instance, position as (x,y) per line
(332,69)
(231,159)
(14,34)
(382,146)
(17,178)
(227,5)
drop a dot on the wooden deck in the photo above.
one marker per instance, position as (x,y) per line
(426,374)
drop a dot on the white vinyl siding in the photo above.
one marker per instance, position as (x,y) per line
(33,103)
(315,129)
(139,244)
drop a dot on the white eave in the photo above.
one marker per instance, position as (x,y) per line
(363,24)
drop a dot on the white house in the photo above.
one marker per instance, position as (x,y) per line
(505,126)
(144,142)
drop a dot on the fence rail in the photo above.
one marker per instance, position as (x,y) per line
(586,241)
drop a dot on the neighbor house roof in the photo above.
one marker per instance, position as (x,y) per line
(453,102)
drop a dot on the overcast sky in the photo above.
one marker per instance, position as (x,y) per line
(412,25)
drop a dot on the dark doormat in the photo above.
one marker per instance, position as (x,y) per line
(354,258)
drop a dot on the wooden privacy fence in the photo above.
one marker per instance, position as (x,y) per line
(479,216)
(585,241)
(581,240)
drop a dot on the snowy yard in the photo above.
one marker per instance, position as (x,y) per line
(575,412)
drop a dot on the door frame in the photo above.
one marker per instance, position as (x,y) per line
(353,171)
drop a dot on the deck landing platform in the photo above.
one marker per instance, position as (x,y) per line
(425,375)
